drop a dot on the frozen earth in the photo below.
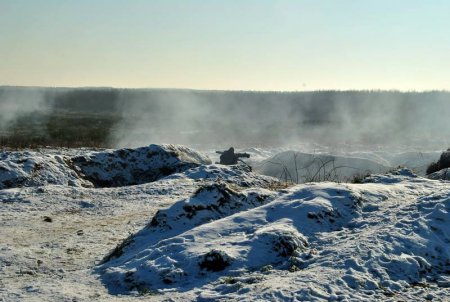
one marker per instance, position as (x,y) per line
(217,233)
(106,168)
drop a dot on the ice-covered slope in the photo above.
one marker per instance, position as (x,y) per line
(388,237)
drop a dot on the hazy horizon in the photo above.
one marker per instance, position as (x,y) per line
(225,90)
(136,117)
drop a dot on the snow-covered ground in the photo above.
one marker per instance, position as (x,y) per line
(216,233)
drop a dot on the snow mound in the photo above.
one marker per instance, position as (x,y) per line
(443,174)
(111,168)
(209,202)
(189,245)
(359,242)
(301,167)
(27,169)
(392,176)
(126,167)
(239,175)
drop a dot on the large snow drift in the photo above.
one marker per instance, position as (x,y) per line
(327,241)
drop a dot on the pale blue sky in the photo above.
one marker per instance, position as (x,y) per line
(229,44)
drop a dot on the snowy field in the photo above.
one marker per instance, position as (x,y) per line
(164,223)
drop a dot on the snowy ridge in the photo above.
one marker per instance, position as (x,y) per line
(126,167)
(29,169)
(249,240)
(209,202)
(111,168)
(239,175)
(340,241)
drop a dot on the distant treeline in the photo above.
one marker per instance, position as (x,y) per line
(100,117)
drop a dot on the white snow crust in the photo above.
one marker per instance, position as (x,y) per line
(324,241)
(215,233)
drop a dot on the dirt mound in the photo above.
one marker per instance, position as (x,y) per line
(110,168)
(29,169)
(126,167)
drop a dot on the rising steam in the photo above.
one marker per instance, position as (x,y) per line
(224,118)
(270,118)
(16,103)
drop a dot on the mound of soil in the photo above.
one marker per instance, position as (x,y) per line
(31,169)
(110,168)
(125,167)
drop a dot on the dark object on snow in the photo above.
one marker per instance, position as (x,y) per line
(230,158)
(442,163)
(48,219)
(215,261)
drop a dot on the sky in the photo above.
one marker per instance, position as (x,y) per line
(226,45)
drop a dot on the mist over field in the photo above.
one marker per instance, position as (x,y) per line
(270,118)
(136,117)
(17,103)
